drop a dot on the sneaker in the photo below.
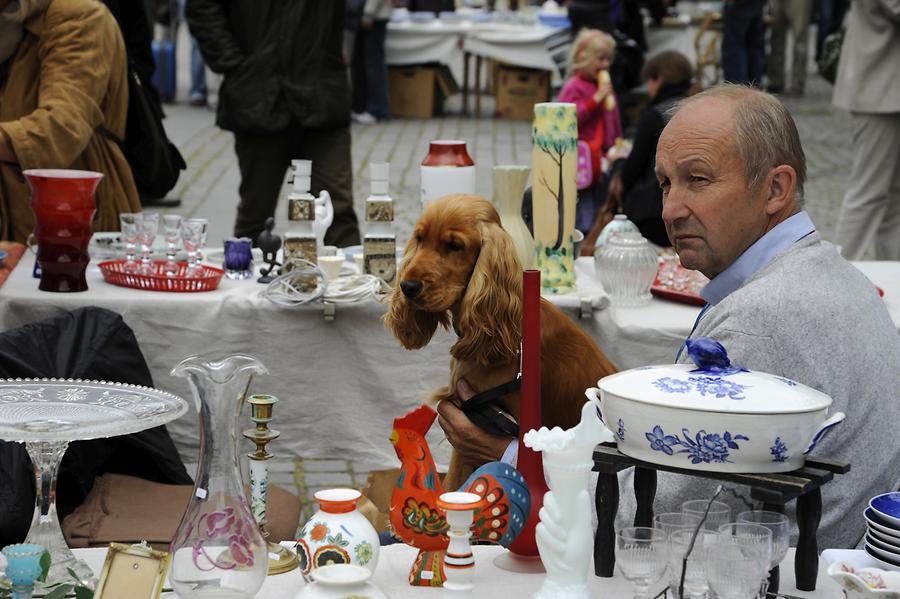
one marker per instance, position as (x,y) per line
(364,118)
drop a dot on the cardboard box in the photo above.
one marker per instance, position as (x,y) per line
(419,91)
(518,90)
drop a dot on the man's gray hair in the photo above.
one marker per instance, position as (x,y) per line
(765,133)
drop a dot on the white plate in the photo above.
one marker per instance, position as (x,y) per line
(876,542)
(885,558)
(888,540)
(871,517)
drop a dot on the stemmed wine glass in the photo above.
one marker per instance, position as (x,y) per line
(128,222)
(193,233)
(148,227)
(734,568)
(641,556)
(719,513)
(781,535)
(672,521)
(172,227)
(752,536)
(688,552)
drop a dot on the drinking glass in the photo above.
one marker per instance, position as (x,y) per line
(688,554)
(719,513)
(128,222)
(751,535)
(669,522)
(238,260)
(172,228)
(148,226)
(641,555)
(781,535)
(193,232)
(733,568)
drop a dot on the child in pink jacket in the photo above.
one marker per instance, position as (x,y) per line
(589,88)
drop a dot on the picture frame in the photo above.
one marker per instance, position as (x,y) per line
(132,572)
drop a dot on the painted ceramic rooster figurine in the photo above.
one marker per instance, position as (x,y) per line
(417,520)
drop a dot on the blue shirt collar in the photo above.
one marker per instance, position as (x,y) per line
(781,237)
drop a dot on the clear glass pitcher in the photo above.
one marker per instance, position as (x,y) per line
(626,266)
(218,550)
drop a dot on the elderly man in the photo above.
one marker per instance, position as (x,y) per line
(781,300)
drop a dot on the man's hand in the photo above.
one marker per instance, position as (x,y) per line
(474,446)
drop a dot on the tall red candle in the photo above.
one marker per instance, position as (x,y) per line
(530,463)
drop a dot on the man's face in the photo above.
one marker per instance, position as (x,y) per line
(710,214)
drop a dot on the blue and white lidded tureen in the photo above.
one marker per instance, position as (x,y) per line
(713,416)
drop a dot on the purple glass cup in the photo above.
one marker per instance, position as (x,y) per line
(238,258)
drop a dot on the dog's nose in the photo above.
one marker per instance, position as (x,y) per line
(411,288)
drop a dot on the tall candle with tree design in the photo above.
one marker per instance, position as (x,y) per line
(554,194)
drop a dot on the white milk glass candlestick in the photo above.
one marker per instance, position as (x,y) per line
(564,535)
(459,562)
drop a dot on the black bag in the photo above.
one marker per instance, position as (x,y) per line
(830,56)
(155,161)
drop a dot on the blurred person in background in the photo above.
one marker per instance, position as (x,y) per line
(868,86)
(743,41)
(599,124)
(633,188)
(368,68)
(284,95)
(63,82)
(788,16)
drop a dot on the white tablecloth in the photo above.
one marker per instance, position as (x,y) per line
(395,560)
(341,383)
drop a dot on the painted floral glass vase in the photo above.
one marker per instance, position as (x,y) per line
(447,169)
(337,534)
(554,194)
(218,549)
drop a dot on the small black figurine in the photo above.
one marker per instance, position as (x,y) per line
(269,243)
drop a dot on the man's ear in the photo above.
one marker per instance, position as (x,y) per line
(782,188)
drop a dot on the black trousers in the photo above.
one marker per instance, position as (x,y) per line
(263,160)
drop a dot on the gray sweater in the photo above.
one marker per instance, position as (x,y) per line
(811,316)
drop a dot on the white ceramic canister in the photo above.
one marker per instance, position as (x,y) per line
(337,534)
(447,169)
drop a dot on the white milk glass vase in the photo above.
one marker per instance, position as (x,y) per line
(218,549)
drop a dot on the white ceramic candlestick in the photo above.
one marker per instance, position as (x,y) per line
(564,535)
(458,560)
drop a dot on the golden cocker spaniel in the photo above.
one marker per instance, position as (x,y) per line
(460,270)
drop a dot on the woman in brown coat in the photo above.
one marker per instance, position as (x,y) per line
(63,78)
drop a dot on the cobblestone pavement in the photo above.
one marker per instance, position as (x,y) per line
(209,188)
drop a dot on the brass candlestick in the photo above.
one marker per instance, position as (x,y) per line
(281,559)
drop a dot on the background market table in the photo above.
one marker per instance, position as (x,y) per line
(342,382)
(490,581)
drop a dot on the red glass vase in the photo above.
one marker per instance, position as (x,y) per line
(63,204)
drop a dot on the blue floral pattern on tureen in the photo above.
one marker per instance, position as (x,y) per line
(787,382)
(620,433)
(702,448)
(779,450)
(705,385)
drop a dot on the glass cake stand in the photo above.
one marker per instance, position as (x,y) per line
(47,414)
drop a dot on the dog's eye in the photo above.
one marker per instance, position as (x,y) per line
(455,246)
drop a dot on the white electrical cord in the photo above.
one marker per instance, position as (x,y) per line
(284,289)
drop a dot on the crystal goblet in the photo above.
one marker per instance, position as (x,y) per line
(128,222)
(752,535)
(781,535)
(734,567)
(172,229)
(688,551)
(719,513)
(148,227)
(193,232)
(672,521)
(641,555)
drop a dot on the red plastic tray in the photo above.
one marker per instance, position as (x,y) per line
(205,278)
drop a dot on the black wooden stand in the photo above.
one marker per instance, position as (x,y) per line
(773,490)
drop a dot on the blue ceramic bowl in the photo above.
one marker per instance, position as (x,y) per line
(877,542)
(887,506)
(885,557)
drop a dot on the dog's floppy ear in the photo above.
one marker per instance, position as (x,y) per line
(490,316)
(412,328)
